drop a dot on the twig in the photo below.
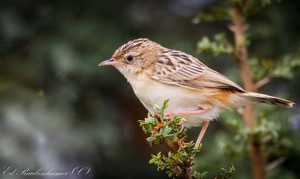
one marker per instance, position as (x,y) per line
(275,163)
(262,82)
(266,139)
(239,31)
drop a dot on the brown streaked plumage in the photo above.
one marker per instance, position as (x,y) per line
(195,91)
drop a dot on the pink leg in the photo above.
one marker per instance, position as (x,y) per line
(204,125)
(170,115)
(199,111)
(202,132)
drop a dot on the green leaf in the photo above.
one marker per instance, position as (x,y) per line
(161,110)
(214,13)
(164,106)
(152,161)
(227,173)
(284,67)
(166,130)
(170,136)
(219,45)
(151,139)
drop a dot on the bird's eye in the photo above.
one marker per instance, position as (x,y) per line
(129,58)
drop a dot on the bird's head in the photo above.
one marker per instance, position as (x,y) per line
(134,56)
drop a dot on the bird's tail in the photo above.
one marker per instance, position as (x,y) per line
(262,98)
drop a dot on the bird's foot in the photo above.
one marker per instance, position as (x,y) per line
(169,116)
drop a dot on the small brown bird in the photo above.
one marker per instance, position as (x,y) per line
(195,92)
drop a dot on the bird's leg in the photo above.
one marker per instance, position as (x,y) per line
(202,132)
(169,116)
(198,111)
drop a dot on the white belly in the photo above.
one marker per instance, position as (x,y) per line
(180,99)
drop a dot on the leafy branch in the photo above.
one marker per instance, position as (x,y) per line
(179,160)
(256,131)
(219,45)
(212,14)
(284,67)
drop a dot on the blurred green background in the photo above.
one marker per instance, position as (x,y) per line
(59,110)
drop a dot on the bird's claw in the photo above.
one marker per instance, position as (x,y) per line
(169,116)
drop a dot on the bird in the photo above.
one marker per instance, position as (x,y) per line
(195,92)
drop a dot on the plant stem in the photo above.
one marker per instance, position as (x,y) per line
(173,146)
(239,30)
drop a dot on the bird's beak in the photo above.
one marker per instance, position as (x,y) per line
(108,62)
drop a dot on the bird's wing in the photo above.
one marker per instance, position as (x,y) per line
(178,68)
